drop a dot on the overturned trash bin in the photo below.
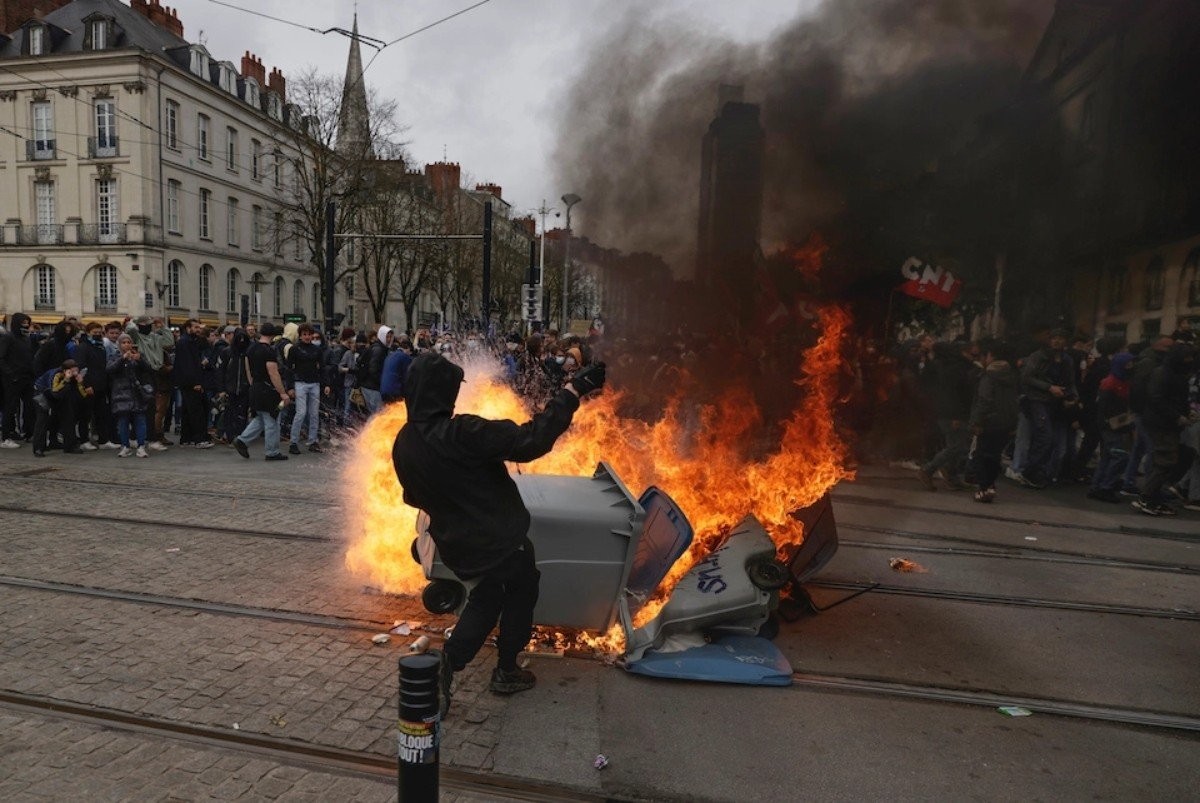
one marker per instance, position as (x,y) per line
(602,553)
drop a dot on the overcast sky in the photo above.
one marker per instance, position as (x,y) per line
(480,88)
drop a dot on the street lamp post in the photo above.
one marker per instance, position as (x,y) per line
(570,199)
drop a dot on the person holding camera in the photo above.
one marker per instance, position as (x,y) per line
(59,396)
(453,468)
(131,389)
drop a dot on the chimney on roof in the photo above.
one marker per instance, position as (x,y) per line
(494,189)
(444,178)
(15,12)
(252,67)
(163,16)
(277,84)
(527,224)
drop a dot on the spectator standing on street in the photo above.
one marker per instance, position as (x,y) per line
(16,373)
(452,467)
(395,370)
(370,374)
(993,417)
(305,361)
(1048,384)
(95,413)
(131,388)
(155,342)
(267,396)
(1148,359)
(1165,416)
(952,383)
(1115,423)
(236,385)
(189,373)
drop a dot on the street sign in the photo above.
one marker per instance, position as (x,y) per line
(295,317)
(531,302)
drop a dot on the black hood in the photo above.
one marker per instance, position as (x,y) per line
(64,331)
(18,321)
(431,387)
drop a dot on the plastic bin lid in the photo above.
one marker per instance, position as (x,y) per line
(666,534)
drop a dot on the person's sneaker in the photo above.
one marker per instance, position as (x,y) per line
(294,448)
(158,446)
(88,446)
(926,479)
(9,443)
(984,496)
(1130,490)
(1193,505)
(141,451)
(125,452)
(166,441)
(1174,491)
(204,444)
(110,445)
(280,456)
(1149,508)
(1166,510)
(1012,474)
(315,447)
(186,444)
(241,447)
(511,682)
(445,682)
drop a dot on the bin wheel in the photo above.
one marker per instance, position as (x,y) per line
(767,574)
(770,628)
(442,596)
(413,551)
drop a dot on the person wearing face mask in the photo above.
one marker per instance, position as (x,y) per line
(154,341)
(95,412)
(16,372)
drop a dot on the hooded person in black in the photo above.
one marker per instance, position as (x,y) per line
(16,371)
(1165,415)
(452,467)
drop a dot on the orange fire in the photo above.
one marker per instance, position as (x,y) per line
(698,455)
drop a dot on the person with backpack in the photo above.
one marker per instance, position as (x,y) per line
(1148,359)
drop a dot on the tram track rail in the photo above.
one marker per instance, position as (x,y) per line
(306,754)
(43,477)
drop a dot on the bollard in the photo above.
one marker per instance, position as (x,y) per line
(419,728)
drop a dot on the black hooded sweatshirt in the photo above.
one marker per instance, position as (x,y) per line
(16,351)
(452,466)
(1167,398)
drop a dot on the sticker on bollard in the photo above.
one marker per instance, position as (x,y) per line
(418,742)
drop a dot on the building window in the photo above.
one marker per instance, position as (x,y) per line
(256,228)
(106,129)
(278,296)
(252,93)
(43,131)
(106,287)
(231,290)
(106,210)
(173,206)
(202,128)
(277,234)
(44,297)
(277,169)
(1155,284)
(227,79)
(98,32)
(205,199)
(206,272)
(231,149)
(174,272)
(36,35)
(47,214)
(298,297)
(316,302)
(256,283)
(255,159)
(172,125)
(199,62)
(232,221)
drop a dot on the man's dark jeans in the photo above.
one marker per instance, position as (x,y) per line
(1044,434)
(1114,455)
(954,452)
(507,593)
(989,445)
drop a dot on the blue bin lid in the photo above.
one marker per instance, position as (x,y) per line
(666,534)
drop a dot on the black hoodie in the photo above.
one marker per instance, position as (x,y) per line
(16,351)
(1167,399)
(452,466)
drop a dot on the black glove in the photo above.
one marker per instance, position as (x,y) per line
(588,379)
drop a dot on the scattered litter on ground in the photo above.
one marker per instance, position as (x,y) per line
(601,762)
(278,720)
(381,638)
(906,565)
(1014,711)
(1031,538)
(420,645)
(237,727)
(173,549)
(400,628)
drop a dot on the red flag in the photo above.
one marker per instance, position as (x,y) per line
(929,283)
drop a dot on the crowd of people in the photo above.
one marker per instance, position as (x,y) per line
(1122,418)
(129,385)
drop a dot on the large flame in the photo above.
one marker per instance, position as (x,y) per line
(700,455)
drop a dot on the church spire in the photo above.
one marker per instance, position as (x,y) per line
(354,119)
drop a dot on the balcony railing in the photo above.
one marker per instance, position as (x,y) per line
(103,147)
(38,149)
(44,303)
(40,234)
(102,233)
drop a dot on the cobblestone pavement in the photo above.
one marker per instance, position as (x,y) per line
(326,686)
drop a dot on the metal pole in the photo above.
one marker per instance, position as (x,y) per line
(564,325)
(487,267)
(419,729)
(542,258)
(329,269)
(532,327)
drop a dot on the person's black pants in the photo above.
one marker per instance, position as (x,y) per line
(989,445)
(18,407)
(1165,456)
(507,593)
(193,425)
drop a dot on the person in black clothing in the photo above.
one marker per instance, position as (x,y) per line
(1089,389)
(267,396)
(236,387)
(16,372)
(1115,422)
(371,377)
(994,416)
(452,467)
(1049,389)
(305,360)
(189,378)
(953,387)
(1165,416)
(95,411)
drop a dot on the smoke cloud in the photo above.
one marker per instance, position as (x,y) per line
(859,97)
